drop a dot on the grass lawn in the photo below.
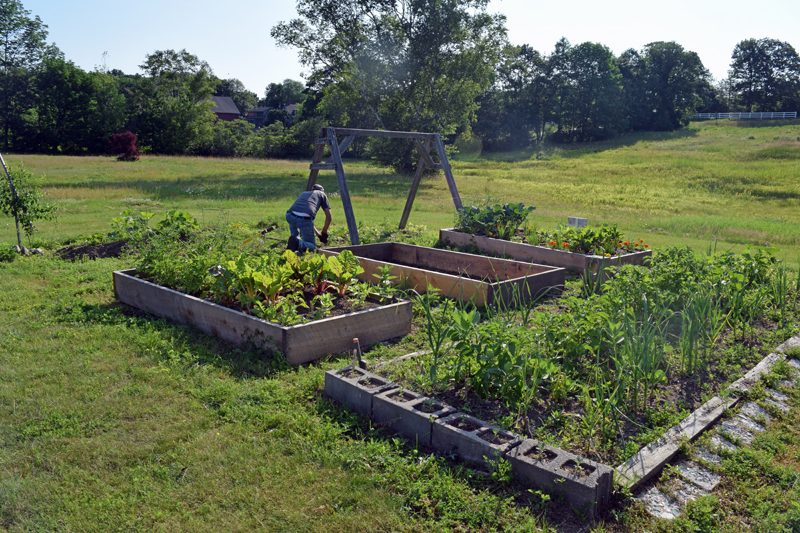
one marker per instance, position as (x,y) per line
(111,420)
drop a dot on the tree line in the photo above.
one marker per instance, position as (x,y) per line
(442,66)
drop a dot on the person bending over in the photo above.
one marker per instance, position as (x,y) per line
(301,220)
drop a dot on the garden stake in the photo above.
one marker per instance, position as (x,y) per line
(357,361)
(262,232)
(15,198)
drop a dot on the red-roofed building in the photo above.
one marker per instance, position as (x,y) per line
(225,108)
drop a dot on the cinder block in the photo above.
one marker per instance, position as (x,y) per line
(473,439)
(577,222)
(355,388)
(585,484)
(409,413)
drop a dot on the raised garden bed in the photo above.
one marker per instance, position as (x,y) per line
(466,277)
(580,263)
(300,343)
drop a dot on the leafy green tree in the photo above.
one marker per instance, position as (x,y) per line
(173,104)
(63,108)
(278,95)
(245,100)
(765,73)
(21,197)
(664,85)
(415,64)
(23,44)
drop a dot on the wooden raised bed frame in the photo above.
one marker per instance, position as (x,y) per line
(512,279)
(581,263)
(301,343)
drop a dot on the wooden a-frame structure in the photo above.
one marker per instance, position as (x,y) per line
(328,136)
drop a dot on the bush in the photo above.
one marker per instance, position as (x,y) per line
(123,145)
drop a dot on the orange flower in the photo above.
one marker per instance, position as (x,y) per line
(620,244)
(636,244)
(641,240)
(552,243)
(626,243)
(647,246)
(566,244)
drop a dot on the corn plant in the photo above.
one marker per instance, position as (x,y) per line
(779,290)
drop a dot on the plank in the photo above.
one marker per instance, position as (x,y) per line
(448,172)
(322,166)
(344,192)
(425,153)
(319,151)
(384,133)
(344,146)
(412,194)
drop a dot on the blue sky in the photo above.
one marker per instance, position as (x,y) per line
(233,36)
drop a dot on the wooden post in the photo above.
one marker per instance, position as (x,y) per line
(423,162)
(448,172)
(319,151)
(344,192)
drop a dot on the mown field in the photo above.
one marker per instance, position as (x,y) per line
(111,420)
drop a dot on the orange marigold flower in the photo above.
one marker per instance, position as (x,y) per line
(647,246)
(552,243)
(636,244)
(566,244)
(641,240)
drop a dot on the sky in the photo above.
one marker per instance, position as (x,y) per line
(234,36)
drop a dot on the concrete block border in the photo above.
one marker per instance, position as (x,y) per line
(586,485)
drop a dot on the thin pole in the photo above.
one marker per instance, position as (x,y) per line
(14,197)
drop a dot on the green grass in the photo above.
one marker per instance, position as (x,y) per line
(111,420)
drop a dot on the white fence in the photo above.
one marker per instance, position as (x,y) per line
(760,116)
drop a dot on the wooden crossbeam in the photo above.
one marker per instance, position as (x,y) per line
(322,166)
(384,133)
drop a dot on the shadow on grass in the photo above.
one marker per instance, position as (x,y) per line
(579,149)
(176,344)
(261,188)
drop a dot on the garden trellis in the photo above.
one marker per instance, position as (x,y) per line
(328,136)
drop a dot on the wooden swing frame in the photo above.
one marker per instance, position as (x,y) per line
(328,136)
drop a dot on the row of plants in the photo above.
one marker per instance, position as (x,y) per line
(507,222)
(604,372)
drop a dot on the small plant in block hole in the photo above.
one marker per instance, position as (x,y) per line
(464,423)
(540,454)
(428,406)
(402,396)
(371,382)
(351,373)
(578,469)
(495,436)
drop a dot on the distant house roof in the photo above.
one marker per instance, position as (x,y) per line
(224,105)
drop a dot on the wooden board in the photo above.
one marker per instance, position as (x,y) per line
(503,280)
(301,343)
(580,263)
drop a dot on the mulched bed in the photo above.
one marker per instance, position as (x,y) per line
(92,251)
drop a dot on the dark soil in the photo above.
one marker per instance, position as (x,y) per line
(92,251)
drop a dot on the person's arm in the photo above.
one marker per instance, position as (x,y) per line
(328,219)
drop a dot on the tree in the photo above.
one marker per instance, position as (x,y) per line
(765,74)
(173,105)
(23,43)
(21,197)
(245,100)
(278,95)
(415,64)
(664,85)
(593,109)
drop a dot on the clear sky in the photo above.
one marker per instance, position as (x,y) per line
(233,36)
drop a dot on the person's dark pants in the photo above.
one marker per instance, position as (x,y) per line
(303,229)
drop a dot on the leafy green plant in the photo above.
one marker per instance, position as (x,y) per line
(178,222)
(498,221)
(385,285)
(345,268)
(130,225)
(21,197)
